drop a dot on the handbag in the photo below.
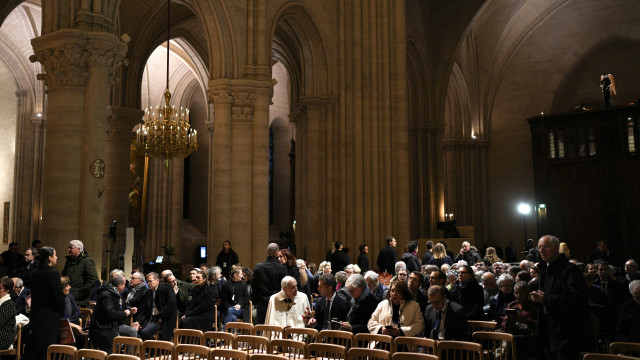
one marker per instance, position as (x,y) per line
(65,333)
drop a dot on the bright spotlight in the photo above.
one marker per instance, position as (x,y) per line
(524,209)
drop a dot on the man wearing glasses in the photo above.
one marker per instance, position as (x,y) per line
(363,303)
(470,293)
(444,319)
(138,288)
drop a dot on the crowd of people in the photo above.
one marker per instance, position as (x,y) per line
(555,306)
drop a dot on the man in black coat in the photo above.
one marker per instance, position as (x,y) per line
(427,254)
(108,314)
(136,292)
(467,254)
(339,260)
(266,282)
(443,319)
(562,297)
(388,256)
(469,293)
(363,259)
(338,306)
(226,258)
(628,329)
(363,303)
(159,310)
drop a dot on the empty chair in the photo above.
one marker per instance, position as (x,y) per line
(625,348)
(85,320)
(373,341)
(477,325)
(253,344)
(593,356)
(496,345)
(308,335)
(413,356)
(269,331)
(188,336)
(228,354)
(414,345)
(336,337)
(192,352)
(326,351)
(292,349)
(459,350)
(158,350)
(266,357)
(61,352)
(239,328)
(368,354)
(127,345)
(91,354)
(122,357)
(219,340)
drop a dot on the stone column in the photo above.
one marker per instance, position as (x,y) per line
(39,131)
(120,123)
(19,212)
(62,56)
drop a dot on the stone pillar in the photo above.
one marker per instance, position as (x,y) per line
(120,123)
(39,132)
(18,212)
(62,56)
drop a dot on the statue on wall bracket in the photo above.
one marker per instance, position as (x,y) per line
(608,86)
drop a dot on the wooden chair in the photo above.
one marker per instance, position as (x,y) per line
(337,337)
(158,350)
(17,345)
(496,345)
(122,357)
(91,354)
(269,331)
(192,352)
(85,319)
(267,357)
(326,351)
(373,341)
(459,350)
(239,328)
(188,336)
(413,356)
(307,335)
(477,325)
(228,354)
(414,345)
(292,349)
(219,340)
(593,356)
(253,344)
(127,345)
(625,348)
(368,354)
(61,352)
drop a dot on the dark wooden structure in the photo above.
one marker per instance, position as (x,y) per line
(587,179)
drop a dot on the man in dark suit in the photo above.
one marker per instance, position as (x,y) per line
(363,303)
(388,256)
(266,282)
(469,293)
(337,305)
(443,319)
(159,310)
(339,260)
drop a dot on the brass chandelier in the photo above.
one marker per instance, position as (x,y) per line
(165,132)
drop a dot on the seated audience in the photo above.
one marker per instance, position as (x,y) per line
(631,270)
(491,256)
(499,302)
(402,275)
(158,311)
(375,286)
(398,315)
(470,293)
(498,268)
(444,319)
(416,280)
(331,309)
(19,296)
(628,327)
(483,265)
(288,307)
(7,314)
(363,303)
(236,297)
(199,312)
(521,320)
(137,287)
(108,313)
(439,278)
(490,289)
(71,309)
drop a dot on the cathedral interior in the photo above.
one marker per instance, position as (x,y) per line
(318,121)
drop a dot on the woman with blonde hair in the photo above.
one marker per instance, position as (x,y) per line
(324,268)
(491,255)
(564,249)
(440,256)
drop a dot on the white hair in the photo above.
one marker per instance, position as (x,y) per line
(504,277)
(400,265)
(77,244)
(286,281)
(371,275)
(462,262)
(634,285)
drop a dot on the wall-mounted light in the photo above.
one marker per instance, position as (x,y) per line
(39,114)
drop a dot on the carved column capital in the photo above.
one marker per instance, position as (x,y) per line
(121,121)
(313,103)
(243,106)
(107,53)
(65,65)
(220,96)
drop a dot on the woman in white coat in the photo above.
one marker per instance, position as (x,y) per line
(398,315)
